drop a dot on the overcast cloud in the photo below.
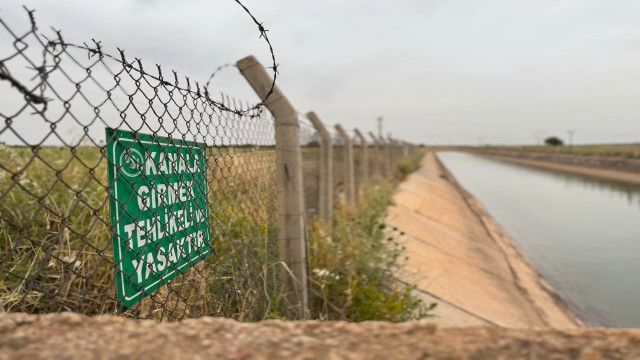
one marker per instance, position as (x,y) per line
(440,72)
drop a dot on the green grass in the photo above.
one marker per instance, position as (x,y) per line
(408,165)
(352,265)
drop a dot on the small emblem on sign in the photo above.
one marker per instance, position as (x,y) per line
(131,162)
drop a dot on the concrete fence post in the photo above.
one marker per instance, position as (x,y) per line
(290,203)
(386,155)
(349,171)
(326,170)
(391,154)
(382,156)
(364,161)
(377,169)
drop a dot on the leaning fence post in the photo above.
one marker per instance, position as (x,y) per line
(364,160)
(348,144)
(291,212)
(377,169)
(326,167)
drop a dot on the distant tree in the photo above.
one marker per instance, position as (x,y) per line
(553,141)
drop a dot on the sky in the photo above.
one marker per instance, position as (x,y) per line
(439,72)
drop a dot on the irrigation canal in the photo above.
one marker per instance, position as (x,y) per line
(582,234)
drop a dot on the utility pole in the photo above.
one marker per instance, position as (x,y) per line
(380,120)
(539,135)
(571,132)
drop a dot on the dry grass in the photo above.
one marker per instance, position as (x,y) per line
(618,150)
(56,248)
(56,236)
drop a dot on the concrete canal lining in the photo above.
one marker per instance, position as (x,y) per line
(461,258)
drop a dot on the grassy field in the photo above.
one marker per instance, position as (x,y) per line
(617,150)
(56,236)
(56,249)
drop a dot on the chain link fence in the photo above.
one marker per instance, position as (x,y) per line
(57,197)
(127,190)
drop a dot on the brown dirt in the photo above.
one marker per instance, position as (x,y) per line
(73,336)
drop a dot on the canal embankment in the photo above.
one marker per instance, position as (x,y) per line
(620,169)
(461,258)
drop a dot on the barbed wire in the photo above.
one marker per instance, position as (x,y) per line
(63,227)
(58,240)
(95,49)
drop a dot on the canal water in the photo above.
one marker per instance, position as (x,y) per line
(583,234)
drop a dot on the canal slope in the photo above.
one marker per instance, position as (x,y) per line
(459,257)
(608,168)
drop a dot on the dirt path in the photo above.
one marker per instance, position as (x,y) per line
(461,258)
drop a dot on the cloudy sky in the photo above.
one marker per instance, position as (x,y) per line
(440,72)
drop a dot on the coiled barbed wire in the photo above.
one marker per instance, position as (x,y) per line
(135,66)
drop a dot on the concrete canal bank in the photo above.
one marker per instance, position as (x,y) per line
(617,169)
(461,258)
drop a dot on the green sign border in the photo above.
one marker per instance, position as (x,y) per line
(116,137)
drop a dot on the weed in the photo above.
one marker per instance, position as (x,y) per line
(56,249)
(353,264)
(408,165)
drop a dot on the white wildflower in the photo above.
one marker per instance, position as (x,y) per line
(321,272)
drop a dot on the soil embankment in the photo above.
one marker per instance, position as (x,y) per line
(611,168)
(73,336)
(461,258)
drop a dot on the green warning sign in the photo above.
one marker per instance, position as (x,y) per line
(158,208)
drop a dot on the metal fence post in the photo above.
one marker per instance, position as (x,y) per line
(350,181)
(291,212)
(326,170)
(377,169)
(364,160)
